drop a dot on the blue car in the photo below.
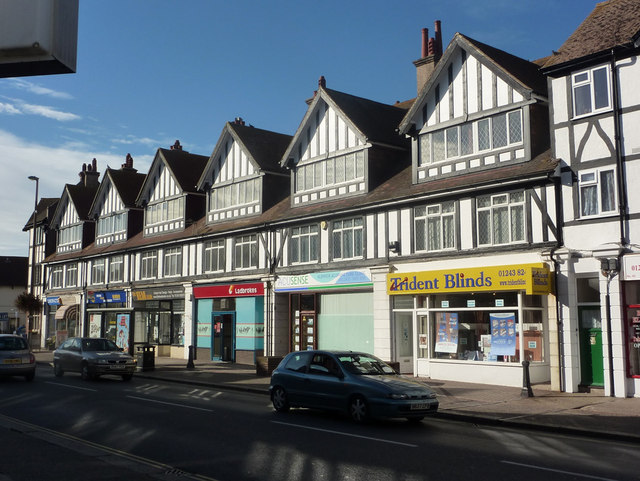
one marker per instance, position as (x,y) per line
(354,382)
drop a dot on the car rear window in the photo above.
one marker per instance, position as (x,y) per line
(12,344)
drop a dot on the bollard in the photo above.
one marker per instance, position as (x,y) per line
(190,364)
(526,381)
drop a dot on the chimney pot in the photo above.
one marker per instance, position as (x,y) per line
(322,82)
(176,146)
(425,42)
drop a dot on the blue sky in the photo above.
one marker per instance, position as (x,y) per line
(150,72)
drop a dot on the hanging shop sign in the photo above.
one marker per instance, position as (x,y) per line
(356,278)
(532,278)
(229,290)
(631,268)
(157,293)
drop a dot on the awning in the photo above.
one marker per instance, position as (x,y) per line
(67,312)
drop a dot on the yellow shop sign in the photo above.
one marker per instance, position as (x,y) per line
(532,278)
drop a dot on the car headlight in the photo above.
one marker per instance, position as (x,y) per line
(432,395)
(395,395)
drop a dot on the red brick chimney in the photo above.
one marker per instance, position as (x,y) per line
(431,53)
(89,174)
(128,163)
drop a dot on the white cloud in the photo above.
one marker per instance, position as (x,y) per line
(38,90)
(8,109)
(131,139)
(49,112)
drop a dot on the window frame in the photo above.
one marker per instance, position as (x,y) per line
(590,82)
(68,269)
(597,182)
(441,215)
(240,246)
(213,249)
(172,262)
(338,229)
(57,277)
(149,265)
(309,239)
(97,271)
(493,208)
(115,261)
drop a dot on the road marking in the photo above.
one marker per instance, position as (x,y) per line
(170,404)
(340,433)
(70,386)
(571,473)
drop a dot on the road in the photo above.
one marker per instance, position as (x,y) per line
(226,435)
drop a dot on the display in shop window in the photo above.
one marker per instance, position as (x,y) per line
(447,341)
(503,334)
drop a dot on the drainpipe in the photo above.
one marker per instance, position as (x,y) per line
(559,322)
(622,191)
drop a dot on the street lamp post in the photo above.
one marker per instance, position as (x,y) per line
(33,252)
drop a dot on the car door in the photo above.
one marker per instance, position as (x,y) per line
(63,354)
(325,387)
(74,362)
(293,378)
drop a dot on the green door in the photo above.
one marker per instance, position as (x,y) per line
(591,360)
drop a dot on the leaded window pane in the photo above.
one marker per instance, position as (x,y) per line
(499,131)
(359,165)
(517,223)
(330,171)
(433,233)
(501,225)
(438,146)
(448,207)
(317,174)
(337,244)
(466,139)
(350,170)
(515,127)
(425,149)
(448,236)
(308,177)
(484,227)
(484,139)
(452,142)
(484,201)
(420,224)
(340,169)
(357,242)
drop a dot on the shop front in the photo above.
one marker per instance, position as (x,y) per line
(230,321)
(109,316)
(159,319)
(63,319)
(329,310)
(472,324)
(631,313)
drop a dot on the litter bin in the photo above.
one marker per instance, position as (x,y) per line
(146,358)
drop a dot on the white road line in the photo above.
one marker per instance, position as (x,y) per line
(346,434)
(571,473)
(70,386)
(170,404)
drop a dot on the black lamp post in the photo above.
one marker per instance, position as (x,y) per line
(33,250)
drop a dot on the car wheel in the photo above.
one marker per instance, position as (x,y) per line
(57,369)
(86,373)
(279,399)
(127,377)
(358,409)
(29,377)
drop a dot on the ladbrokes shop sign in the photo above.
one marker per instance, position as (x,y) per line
(532,278)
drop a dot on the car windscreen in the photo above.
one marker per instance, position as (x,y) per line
(360,364)
(98,345)
(12,344)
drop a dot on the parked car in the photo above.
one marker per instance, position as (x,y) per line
(92,357)
(355,382)
(16,358)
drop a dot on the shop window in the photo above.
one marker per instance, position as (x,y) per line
(347,236)
(597,192)
(435,227)
(501,218)
(214,258)
(591,91)
(632,328)
(304,244)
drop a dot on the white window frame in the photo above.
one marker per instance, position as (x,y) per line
(213,259)
(347,235)
(245,252)
(241,193)
(57,274)
(585,182)
(168,210)
(149,265)
(172,262)
(586,78)
(304,244)
(97,271)
(71,275)
(496,203)
(424,218)
(341,169)
(116,269)
(69,235)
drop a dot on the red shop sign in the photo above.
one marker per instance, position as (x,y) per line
(229,290)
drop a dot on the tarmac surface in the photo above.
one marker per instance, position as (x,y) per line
(590,414)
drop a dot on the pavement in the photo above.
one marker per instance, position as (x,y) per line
(590,414)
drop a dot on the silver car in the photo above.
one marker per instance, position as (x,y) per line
(92,357)
(355,382)
(16,359)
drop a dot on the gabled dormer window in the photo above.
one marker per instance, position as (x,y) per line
(70,238)
(489,133)
(329,172)
(112,224)
(238,194)
(164,211)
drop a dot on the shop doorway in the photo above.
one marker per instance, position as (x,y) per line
(403,335)
(223,336)
(591,356)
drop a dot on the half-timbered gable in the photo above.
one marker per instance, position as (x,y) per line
(481,108)
(114,205)
(70,220)
(169,193)
(345,146)
(243,176)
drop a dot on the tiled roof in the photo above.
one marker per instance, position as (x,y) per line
(264,146)
(377,121)
(43,211)
(610,24)
(82,197)
(128,183)
(186,167)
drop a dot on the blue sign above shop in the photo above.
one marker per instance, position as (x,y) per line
(107,297)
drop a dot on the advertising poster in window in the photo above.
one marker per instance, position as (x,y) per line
(122,336)
(95,324)
(503,334)
(447,340)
